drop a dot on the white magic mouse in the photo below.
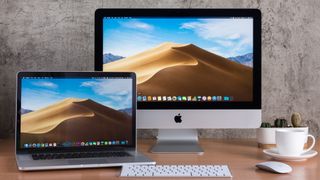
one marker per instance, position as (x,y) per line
(275,167)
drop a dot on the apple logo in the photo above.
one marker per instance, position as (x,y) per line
(177,118)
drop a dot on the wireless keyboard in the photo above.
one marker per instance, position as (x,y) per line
(175,171)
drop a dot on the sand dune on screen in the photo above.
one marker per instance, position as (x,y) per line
(73,119)
(151,61)
(48,118)
(176,69)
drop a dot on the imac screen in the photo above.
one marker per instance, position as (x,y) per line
(183,59)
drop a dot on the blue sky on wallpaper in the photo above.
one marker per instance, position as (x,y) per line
(39,93)
(227,37)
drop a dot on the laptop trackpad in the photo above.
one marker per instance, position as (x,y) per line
(87,161)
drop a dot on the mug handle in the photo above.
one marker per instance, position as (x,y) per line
(313,143)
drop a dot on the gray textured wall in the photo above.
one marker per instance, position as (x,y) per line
(59,35)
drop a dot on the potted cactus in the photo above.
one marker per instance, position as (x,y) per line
(266,132)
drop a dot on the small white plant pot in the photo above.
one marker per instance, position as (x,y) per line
(266,137)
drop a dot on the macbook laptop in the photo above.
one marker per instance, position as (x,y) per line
(76,120)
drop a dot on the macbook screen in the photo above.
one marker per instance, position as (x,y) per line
(71,112)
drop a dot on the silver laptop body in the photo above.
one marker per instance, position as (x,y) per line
(26,163)
(42,144)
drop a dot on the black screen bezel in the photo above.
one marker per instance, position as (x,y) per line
(254,13)
(21,75)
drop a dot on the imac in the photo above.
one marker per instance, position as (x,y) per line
(196,68)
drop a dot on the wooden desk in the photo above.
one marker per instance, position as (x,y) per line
(240,155)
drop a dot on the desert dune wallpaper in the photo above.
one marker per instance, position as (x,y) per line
(172,56)
(77,110)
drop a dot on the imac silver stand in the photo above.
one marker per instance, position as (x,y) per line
(177,141)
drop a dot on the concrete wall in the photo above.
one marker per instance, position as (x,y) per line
(59,35)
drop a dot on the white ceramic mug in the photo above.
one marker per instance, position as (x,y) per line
(291,142)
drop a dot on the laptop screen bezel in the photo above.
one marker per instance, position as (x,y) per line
(21,75)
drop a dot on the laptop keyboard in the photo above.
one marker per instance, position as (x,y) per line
(46,156)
